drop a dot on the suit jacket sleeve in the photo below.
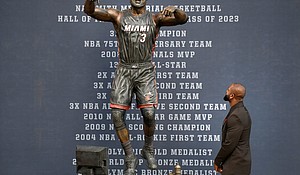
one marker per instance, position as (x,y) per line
(233,132)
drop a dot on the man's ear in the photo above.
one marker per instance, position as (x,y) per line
(231,96)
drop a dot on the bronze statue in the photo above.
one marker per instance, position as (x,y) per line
(137,30)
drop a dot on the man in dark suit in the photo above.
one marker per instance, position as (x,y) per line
(234,157)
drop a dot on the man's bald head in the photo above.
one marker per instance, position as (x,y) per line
(238,90)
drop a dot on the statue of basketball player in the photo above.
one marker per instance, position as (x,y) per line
(137,30)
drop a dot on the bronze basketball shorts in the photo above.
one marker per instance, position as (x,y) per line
(130,79)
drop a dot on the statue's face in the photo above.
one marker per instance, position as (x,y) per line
(138,3)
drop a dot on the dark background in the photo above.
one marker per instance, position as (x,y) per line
(44,68)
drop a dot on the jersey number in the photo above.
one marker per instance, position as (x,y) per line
(143,37)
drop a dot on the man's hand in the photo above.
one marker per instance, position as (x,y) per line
(218,169)
(168,11)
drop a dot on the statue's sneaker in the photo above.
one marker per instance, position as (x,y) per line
(148,154)
(131,163)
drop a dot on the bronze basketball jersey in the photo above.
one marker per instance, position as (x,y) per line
(136,35)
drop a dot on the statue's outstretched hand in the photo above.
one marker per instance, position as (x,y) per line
(168,11)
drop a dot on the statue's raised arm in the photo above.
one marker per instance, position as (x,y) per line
(109,15)
(171,16)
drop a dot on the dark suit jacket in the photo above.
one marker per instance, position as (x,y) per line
(234,155)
